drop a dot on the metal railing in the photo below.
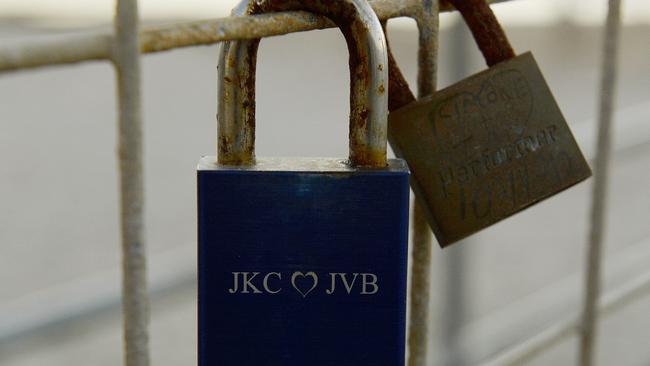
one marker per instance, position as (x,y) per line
(123,48)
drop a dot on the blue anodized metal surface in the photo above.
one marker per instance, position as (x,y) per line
(302,263)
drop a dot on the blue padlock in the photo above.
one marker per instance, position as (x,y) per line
(302,261)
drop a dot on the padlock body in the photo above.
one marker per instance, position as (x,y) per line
(302,262)
(486,148)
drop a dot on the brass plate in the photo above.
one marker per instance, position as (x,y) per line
(486,148)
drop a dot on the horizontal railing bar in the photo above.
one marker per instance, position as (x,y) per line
(611,302)
(173,270)
(90,296)
(530,315)
(99,45)
(25,317)
(66,50)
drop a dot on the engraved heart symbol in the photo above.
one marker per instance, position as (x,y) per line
(482,114)
(300,280)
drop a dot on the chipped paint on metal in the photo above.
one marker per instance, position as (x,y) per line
(99,45)
(368,100)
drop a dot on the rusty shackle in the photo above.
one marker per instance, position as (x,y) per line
(486,30)
(368,81)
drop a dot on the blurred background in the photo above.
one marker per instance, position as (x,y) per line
(59,237)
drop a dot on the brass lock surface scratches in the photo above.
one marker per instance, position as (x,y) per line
(487,147)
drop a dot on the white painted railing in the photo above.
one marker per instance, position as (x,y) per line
(123,48)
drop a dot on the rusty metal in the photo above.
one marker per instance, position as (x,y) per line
(486,148)
(236,110)
(399,93)
(486,30)
(99,46)
(489,146)
(96,46)
(368,84)
(428,27)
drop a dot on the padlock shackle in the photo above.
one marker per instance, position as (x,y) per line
(368,82)
(486,30)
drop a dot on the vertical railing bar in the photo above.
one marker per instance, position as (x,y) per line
(454,305)
(418,334)
(97,45)
(420,292)
(599,193)
(427,24)
(135,301)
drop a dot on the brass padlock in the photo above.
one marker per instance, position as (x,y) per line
(489,146)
